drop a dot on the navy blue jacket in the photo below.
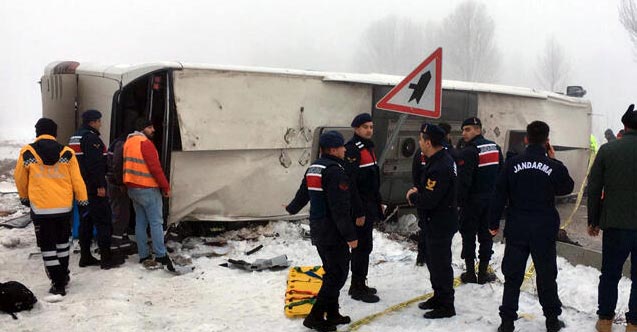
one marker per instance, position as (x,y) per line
(528,185)
(326,186)
(479,164)
(362,169)
(91,155)
(436,196)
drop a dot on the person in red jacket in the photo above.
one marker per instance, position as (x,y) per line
(146,183)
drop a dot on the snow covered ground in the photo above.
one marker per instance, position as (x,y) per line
(215,298)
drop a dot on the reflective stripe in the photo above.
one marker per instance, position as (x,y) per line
(116,237)
(367,165)
(50,211)
(135,160)
(138,173)
(62,246)
(49,253)
(63,254)
(52,263)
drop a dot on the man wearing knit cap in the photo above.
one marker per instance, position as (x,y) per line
(478,166)
(146,183)
(91,155)
(613,173)
(364,174)
(435,200)
(326,187)
(48,179)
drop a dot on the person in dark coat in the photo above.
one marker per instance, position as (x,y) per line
(614,174)
(91,155)
(327,188)
(362,169)
(479,164)
(528,185)
(435,197)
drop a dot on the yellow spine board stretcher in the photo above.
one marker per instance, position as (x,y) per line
(304,283)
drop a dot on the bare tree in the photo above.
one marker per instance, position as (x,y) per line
(392,45)
(468,38)
(553,67)
(628,18)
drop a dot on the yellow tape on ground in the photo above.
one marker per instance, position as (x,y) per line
(366,320)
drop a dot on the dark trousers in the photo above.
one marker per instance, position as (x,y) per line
(120,207)
(617,245)
(98,215)
(335,260)
(516,254)
(360,255)
(53,236)
(474,222)
(422,236)
(439,265)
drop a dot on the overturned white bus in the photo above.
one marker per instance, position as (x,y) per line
(235,141)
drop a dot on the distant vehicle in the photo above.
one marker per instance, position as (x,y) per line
(235,141)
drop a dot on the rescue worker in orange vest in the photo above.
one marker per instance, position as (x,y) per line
(146,183)
(91,155)
(48,179)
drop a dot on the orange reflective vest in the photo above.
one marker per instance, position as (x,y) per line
(135,169)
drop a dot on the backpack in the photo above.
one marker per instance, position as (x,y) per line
(15,297)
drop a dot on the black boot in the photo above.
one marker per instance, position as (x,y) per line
(86,259)
(469,277)
(359,292)
(370,290)
(553,324)
(315,320)
(166,262)
(484,276)
(109,259)
(334,317)
(441,312)
(506,326)
(432,303)
(58,290)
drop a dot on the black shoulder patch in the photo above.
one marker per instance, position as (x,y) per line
(28,158)
(66,156)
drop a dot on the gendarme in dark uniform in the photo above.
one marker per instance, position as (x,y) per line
(91,155)
(362,169)
(436,197)
(528,185)
(327,188)
(479,164)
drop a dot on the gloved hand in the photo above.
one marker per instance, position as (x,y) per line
(25,202)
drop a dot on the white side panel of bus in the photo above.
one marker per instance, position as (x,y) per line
(58,102)
(97,93)
(570,125)
(236,163)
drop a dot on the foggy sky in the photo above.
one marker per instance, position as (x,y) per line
(321,35)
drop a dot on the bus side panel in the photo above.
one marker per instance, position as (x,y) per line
(97,93)
(59,92)
(570,125)
(236,162)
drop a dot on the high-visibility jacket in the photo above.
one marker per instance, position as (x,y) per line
(48,178)
(136,170)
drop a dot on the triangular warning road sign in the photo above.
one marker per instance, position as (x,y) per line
(420,92)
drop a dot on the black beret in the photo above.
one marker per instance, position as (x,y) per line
(432,131)
(331,139)
(629,119)
(91,115)
(46,126)
(472,121)
(360,119)
(142,123)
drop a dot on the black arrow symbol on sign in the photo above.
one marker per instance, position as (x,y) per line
(420,87)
